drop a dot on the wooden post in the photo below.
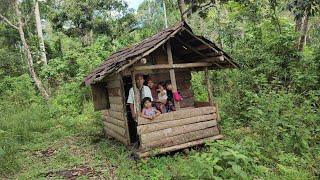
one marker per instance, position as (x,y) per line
(209,87)
(172,74)
(137,106)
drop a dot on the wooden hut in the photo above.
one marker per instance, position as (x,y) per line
(172,54)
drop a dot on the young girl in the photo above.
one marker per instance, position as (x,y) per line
(162,97)
(148,111)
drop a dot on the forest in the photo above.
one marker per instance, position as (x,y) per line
(269,107)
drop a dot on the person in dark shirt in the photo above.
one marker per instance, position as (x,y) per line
(170,100)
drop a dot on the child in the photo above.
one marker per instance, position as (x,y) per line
(148,111)
(152,88)
(170,104)
(162,97)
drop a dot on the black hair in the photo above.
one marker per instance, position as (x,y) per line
(167,82)
(162,84)
(144,100)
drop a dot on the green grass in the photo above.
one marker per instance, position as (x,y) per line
(36,144)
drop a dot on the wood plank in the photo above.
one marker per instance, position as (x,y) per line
(117,115)
(116,107)
(209,87)
(99,96)
(114,91)
(120,130)
(137,106)
(115,135)
(113,84)
(167,124)
(174,66)
(181,114)
(172,74)
(164,133)
(115,100)
(180,139)
(176,147)
(117,122)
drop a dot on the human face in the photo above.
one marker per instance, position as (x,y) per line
(140,81)
(147,104)
(169,87)
(150,84)
(161,88)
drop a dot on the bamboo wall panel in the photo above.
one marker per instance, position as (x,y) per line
(156,135)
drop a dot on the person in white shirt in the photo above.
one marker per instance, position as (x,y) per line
(144,92)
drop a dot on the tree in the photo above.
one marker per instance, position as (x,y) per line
(19,27)
(182,8)
(39,31)
(302,11)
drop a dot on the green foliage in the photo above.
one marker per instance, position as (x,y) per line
(269,107)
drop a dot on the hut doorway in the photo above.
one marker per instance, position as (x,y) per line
(132,124)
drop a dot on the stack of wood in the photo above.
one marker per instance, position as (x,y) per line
(177,130)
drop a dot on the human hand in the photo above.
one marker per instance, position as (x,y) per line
(133,115)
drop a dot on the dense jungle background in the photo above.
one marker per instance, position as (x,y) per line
(270,107)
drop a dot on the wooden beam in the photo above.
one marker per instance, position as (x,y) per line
(137,106)
(142,129)
(180,139)
(196,51)
(147,52)
(177,147)
(172,74)
(164,133)
(215,50)
(209,87)
(174,66)
(182,114)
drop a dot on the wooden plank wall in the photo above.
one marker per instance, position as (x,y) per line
(115,120)
(184,86)
(175,129)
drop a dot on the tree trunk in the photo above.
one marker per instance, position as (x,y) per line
(182,8)
(298,24)
(33,74)
(304,30)
(40,34)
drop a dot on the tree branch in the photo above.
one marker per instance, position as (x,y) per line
(8,22)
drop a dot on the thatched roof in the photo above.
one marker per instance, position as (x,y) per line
(124,58)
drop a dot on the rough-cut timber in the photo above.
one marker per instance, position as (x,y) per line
(180,139)
(120,130)
(111,133)
(181,114)
(156,135)
(114,121)
(167,124)
(176,147)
